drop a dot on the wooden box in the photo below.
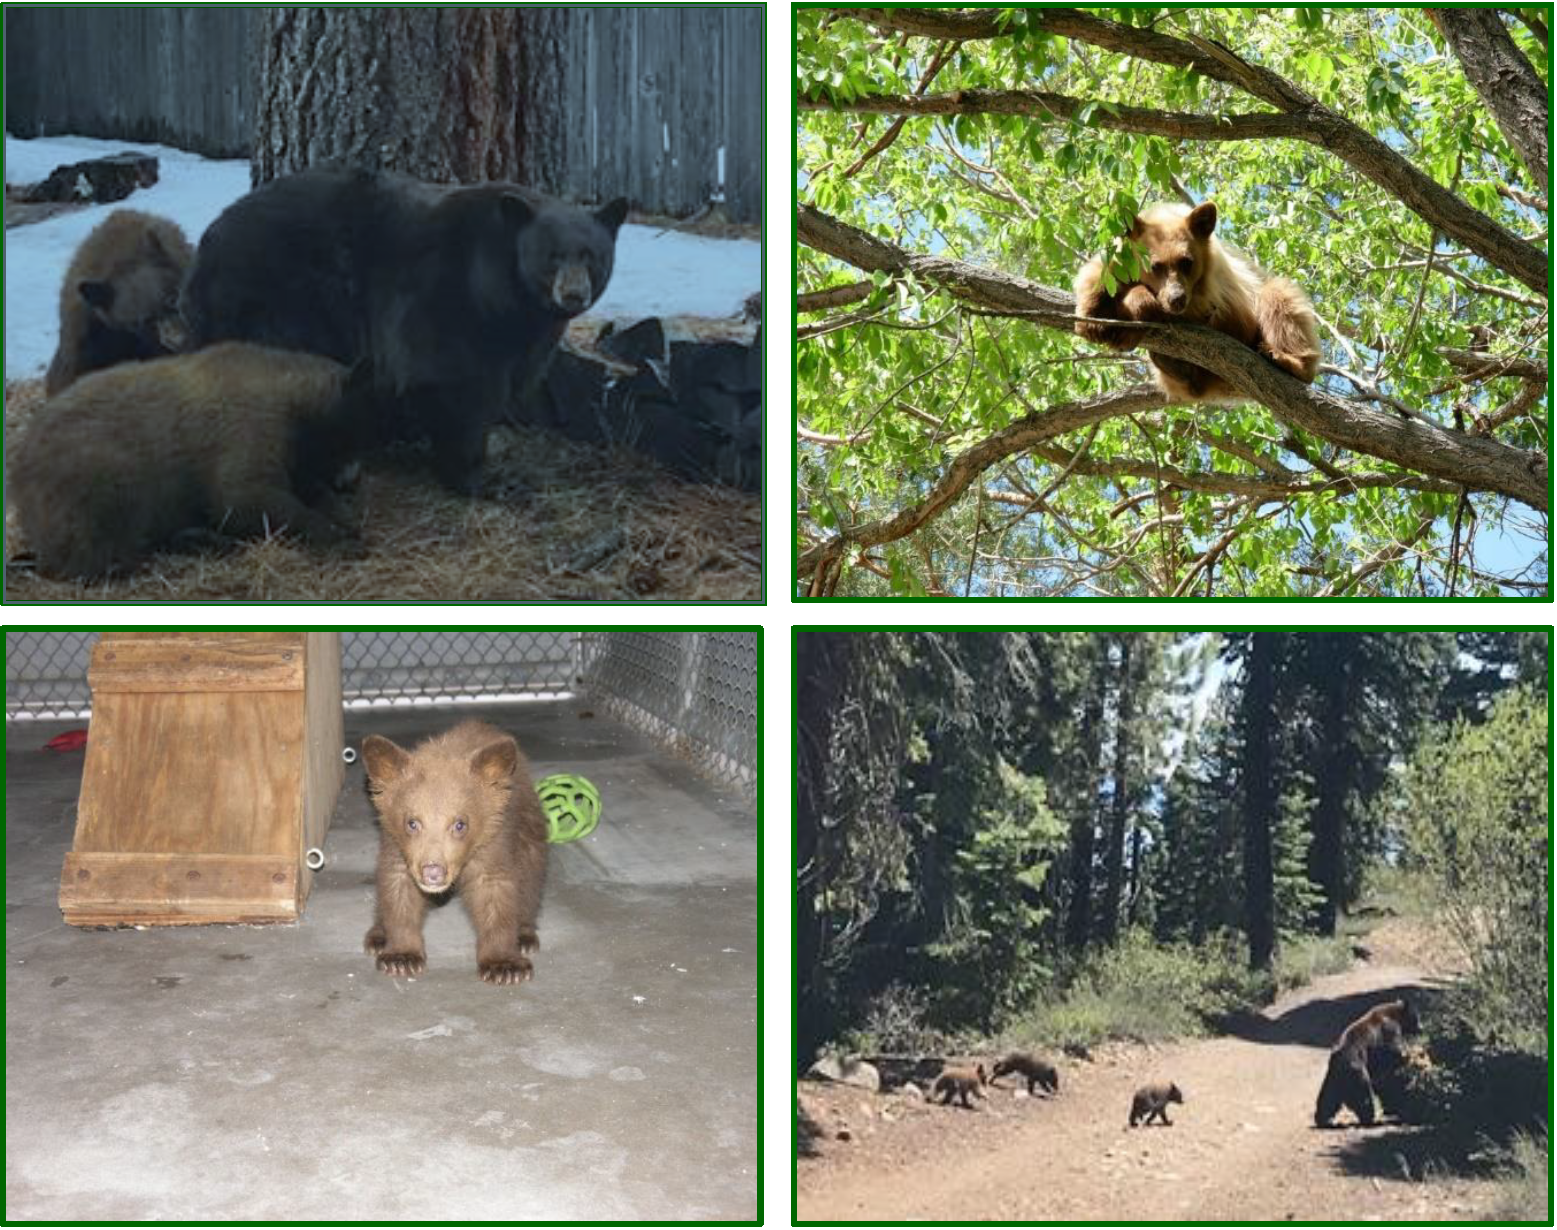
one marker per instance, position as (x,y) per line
(212,766)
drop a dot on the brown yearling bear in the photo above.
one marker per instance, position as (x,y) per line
(1191,276)
(1369,1045)
(961,1083)
(1151,1102)
(458,813)
(1039,1073)
(120,298)
(131,458)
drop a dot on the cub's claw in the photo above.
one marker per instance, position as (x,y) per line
(402,964)
(505,971)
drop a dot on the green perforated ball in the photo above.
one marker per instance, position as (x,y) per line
(571,804)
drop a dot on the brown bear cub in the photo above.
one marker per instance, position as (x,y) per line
(1151,1102)
(226,442)
(1191,276)
(1369,1050)
(120,298)
(457,813)
(960,1083)
(1039,1073)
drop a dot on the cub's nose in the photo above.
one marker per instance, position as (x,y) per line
(434,873)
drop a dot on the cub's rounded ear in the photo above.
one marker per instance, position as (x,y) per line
(612,216)
(1137,228)
(496,762)
(1202,220)
(385,760)
(517,210)
(97,294)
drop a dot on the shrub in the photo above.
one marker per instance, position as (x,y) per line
(1472,806)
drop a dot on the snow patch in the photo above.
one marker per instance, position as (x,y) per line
(658,273)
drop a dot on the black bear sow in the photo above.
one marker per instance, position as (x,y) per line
(231,441)
(455,296)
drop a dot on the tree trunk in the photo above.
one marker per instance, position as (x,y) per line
(1259,798)
(1506,81)
(1333,779)
(1113,855)
(438,93)
(1078,918)
(822,666)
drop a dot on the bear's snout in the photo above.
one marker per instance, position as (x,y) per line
(572,289)
(434,875)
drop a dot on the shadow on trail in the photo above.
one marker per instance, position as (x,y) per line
(807,1132)
(1320,1022)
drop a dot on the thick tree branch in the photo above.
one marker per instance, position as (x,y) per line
(1356,147)
(1178,124)
(1479,365)
(1474,463)
(1508,85)
(833,296)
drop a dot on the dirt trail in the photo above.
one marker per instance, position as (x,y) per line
(1242,1147)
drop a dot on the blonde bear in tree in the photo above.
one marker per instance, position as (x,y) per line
(1190,276)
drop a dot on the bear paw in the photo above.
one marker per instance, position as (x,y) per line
(528,941)
(402,964)
(504,971)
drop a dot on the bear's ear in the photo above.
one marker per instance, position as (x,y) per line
(612,216)
(386,761)
(1202,220)
(516,210)
(496,762)
(99,295)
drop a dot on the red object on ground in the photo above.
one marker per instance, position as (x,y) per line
(70,741)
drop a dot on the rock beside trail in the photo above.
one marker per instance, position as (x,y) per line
(846,1071)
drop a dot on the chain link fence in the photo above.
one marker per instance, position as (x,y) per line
(696,693)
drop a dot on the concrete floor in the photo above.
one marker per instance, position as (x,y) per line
(272,1073)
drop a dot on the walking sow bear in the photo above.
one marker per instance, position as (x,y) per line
(455,296)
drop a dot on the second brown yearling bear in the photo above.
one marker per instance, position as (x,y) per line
(458,813)
(454,297)
(1371,1042)
(1151,1102)
(234,440)
(120,298)
(1191,276)
(1039,1073)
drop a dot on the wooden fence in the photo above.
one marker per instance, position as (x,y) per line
(663,104)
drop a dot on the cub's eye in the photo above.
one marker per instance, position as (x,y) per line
(1159,268)
(459,824)
(1185,265)
(413,826)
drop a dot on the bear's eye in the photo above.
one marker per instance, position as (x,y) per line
(1159,268)
(459,824)
(413,826)
(1185,265)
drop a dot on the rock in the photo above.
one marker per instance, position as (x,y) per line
(695,407)
(827,1068)
(843,1133)
(912,1092)
(861,1075)
(845,1071)
(97,180)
